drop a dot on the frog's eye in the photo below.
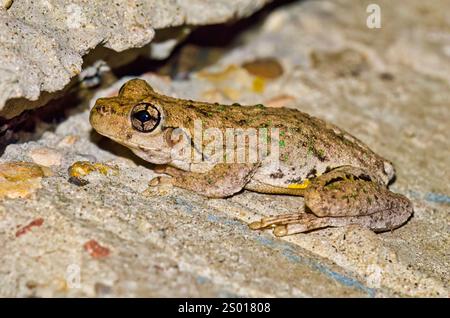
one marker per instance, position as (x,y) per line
(145,117)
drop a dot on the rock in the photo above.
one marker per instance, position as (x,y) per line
(44,42)
(25,229)
(20,179)
(113,237)
(46,157)
(268,68)
(232,82)
(81,169)
(7,3)
(68,141)
(95,249)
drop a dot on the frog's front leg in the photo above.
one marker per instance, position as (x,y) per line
(221,181)
(343,196)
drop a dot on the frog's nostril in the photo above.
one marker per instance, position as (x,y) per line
(101,109)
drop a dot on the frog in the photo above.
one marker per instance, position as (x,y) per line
(342,181)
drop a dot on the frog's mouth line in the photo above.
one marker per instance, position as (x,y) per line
(122,142)
(128,144)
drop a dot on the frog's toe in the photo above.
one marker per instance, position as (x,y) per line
(288,224)
(280,230)
(160,181)
(159,186)
(305,224)
(274,220)
(255,225)
(289,229)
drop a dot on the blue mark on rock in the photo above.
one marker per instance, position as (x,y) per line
(186,206)
(292,257)
(437,197)
(202,280)
(345,280)
(288,252)
(341,278)
(265,241)
(213,218)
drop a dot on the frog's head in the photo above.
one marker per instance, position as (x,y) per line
(134,119)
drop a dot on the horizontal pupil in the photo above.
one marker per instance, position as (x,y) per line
(142,116)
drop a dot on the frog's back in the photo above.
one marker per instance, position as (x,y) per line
(309,146)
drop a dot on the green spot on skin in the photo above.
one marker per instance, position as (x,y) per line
(260,106)
(282,133)
(281,143)
(321,153)
(332,186)
(269,123)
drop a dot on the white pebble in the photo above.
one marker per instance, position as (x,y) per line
(46,157)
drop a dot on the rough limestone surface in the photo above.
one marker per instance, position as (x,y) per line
(42,43)
(389,87)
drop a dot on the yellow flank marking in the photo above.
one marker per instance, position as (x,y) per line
(302,185)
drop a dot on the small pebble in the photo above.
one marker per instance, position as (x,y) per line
(25,229)
(80,169)
(68,141)
(268,68)
(21,179)
(46,157)
(96,250)
(7,3)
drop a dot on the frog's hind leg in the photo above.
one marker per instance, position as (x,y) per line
(351,192)
(284,224)
(378,222)
(343,196)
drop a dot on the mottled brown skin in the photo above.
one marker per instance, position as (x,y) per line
(344,182)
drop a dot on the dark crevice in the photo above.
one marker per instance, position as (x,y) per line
(219,38)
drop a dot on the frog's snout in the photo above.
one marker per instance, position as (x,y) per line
(94,114)
(99,113)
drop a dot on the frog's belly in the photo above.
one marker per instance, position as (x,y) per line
(279,174)
(282,175)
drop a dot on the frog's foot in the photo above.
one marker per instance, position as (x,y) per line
(348,195)
(159,186)
(287,224)
(343,196)
(220,181)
